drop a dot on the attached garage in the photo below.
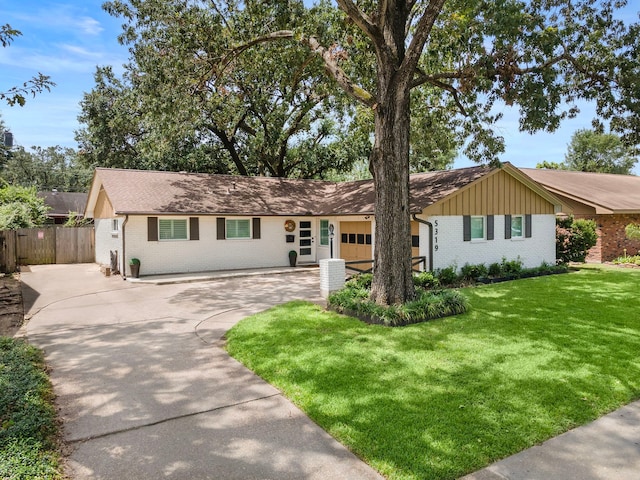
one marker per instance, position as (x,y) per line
(355,241)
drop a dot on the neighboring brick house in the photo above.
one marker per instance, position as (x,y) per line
(179,222)
(613,201)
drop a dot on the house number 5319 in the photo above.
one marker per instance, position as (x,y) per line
(435,235)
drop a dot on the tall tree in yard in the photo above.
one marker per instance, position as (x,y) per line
(540,55)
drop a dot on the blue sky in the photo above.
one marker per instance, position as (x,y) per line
(67,40)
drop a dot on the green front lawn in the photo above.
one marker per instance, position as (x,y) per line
(531,359)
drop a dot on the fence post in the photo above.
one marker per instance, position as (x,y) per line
(8,252)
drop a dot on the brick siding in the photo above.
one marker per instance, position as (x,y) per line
(612,240)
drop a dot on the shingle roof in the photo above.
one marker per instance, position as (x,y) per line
(608,193)
(62,203)
(152,192)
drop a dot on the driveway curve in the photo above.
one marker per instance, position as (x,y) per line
(146,391)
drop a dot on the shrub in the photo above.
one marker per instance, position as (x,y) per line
(632,231)
(447,276)
(354,300)
(511,268)
(425,280)
(361,280)
(574,238)
(633,259)
(473,272)
(495,270)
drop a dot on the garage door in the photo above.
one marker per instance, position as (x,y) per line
(355,241)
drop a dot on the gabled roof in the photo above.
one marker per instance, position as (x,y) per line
(152,192)
(607,193)
(61,203)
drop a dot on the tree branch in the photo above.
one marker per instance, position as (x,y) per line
(340,76)
(330,61)
(361,19)
(422,33)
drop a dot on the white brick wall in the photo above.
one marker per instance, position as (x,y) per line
(107,241)
(332,275)
(453,250)
(208,253)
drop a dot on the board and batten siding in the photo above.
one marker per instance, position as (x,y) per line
(103,208)
(497,194)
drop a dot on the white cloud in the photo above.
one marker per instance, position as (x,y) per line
(89,26)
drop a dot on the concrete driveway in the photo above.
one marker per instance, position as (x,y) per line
(145,390)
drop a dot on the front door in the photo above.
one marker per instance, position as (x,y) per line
(307,247)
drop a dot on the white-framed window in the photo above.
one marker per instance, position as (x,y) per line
(115,227)
(478,225)
(238,228)
(172,229)
(324,233)
(517,226)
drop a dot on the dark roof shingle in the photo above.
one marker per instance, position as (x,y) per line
(153,192)
(61,203)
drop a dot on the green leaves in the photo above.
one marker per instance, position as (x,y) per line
(591,151)
(47,169)
(20,207)
(18,95)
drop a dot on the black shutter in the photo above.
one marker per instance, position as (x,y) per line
(256,228)
(220,228)
(489,227)
(507,226)
(194,228)
(466,228)
(527,225)
(152,229)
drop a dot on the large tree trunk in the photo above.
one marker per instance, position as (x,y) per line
(392,278)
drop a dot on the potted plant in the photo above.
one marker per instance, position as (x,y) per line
(293,256)
(134,265)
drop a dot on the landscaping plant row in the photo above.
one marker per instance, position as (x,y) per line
(435,297)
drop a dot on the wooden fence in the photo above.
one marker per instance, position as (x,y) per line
(46,245)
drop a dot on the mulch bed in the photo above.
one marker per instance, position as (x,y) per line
(11,306)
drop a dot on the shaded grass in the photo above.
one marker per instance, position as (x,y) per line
(533,358)
(28,425)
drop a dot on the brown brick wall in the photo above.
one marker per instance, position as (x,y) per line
(612,240)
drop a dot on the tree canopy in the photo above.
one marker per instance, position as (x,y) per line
(20,207)
(184,103)
(590,151)
(47,169)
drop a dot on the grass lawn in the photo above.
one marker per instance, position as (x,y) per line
(28,426)
(531,359)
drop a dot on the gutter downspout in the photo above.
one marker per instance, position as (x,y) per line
(124,266)
(430,225)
